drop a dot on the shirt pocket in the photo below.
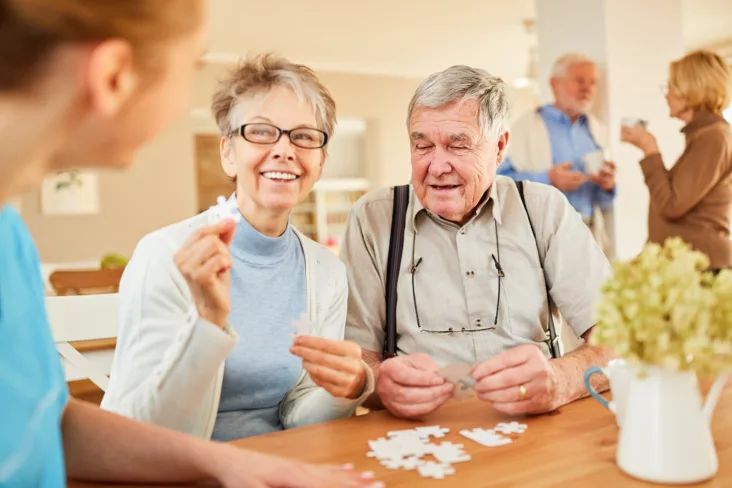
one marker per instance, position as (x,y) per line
(527,303)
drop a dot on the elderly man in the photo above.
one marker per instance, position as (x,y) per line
(554,144)
(474,285)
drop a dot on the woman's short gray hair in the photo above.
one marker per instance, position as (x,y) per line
(260,74)
(459,84)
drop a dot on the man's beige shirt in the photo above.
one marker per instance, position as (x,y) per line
(456,285)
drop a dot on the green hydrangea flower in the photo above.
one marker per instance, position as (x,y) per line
(663,308)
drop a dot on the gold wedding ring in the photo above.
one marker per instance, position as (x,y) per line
(522,392)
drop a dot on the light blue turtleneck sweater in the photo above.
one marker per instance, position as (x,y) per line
(268,291)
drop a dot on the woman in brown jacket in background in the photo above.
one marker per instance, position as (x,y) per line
(693,199)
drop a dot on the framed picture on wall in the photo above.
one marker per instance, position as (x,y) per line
(71,192)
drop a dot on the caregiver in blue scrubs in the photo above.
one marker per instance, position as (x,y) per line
(86,83)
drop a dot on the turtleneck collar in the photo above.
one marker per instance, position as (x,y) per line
(701,119)
(253,247)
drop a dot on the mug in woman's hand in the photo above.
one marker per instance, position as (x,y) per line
(618,372)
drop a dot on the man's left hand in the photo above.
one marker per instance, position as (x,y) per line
(518,381)
(605,178)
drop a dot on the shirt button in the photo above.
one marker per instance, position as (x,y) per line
(462,231)
(469,273)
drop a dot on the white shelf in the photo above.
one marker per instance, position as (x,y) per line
(342,184)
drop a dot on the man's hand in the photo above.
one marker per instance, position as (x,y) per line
(411,386)
(564,179)
(605,179)
(518,381)
(239,468)
(333,365)
(204,261)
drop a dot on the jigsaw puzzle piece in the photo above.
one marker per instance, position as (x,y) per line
(431,469)
(487,438)
(510,428)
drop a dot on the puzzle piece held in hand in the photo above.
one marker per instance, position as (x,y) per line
(487,438)
(303,326)
(227,210)
(459,375)
(510,428)
(431,469)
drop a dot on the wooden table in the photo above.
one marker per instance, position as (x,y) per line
(573,447)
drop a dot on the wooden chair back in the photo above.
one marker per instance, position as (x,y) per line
(86,282)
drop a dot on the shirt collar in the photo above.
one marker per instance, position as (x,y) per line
(702,118)
(491,202)
(553,113)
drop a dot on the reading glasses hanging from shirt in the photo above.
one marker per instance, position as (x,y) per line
(451,330)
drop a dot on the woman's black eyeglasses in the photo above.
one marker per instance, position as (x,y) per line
(451,330)
(304,137)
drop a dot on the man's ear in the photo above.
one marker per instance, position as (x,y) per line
(502,147)
(111,77)
(227,157)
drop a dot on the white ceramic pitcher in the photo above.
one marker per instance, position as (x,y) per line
(666,436)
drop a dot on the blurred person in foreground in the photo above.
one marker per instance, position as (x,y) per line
(85,84)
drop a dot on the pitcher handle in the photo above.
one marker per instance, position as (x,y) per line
(591,390)
(714,393)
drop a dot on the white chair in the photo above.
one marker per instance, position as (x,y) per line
(84,318)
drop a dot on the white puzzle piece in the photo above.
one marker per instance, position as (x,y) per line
(404,433)
(459,375)
(510,428)
(409,463)
(227,210)
(399,447)
(449,453)
(487,438)
(431,469)
(433,430)
(455,371)
(303,326)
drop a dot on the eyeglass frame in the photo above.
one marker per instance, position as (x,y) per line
(501,274)
(241,129)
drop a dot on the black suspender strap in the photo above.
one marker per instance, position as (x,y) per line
(553,342)
(396,243)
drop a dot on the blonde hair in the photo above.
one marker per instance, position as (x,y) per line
(30,30)
(704,79)
(262,73)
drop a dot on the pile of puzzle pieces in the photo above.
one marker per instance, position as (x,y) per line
(406,449)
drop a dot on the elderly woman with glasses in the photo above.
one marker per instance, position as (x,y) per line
(693,198)
(193,357)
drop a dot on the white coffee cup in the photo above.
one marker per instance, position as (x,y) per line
(619,374)
(594,161)
(632,121)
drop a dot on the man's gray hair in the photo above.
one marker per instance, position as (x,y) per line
(459,84)
(561,66)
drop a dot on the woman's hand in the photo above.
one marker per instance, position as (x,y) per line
(204,261)
(335,366)
(640,138)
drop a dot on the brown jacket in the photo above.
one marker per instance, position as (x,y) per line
(693,200)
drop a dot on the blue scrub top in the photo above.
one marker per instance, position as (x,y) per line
(33,390)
